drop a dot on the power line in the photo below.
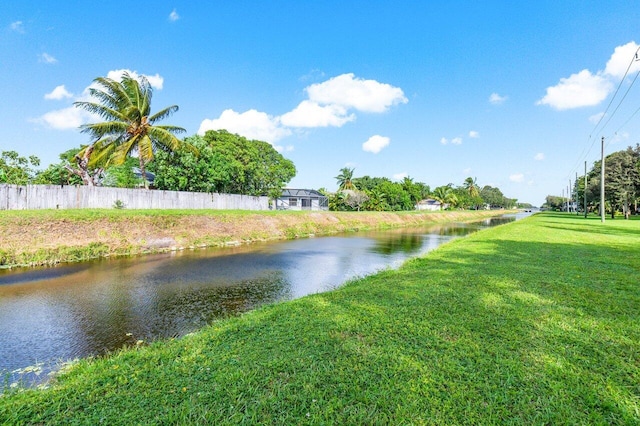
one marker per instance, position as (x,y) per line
(621,100)
(633,59)
(584,154)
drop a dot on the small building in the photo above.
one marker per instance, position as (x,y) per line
(302,199)
(431,205)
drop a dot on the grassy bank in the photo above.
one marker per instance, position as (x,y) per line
(46,237)
(534,322)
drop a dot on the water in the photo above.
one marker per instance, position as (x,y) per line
(51,315)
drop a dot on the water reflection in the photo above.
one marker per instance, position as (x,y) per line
(50,315)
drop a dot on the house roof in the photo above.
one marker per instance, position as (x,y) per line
(290,192)
(430,201)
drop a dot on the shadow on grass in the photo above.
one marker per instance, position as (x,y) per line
(527,332)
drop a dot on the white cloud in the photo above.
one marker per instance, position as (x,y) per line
(310,114)
(588,89)
(173,16)
(375,144)
(539,156)
(579,90)
(496,99)
(329,104)
(60,92)
(314,74)
(518,177)
(156,81)
(454,141)
(280,148)
(360,94)
(596,117)
(47,59)
(621,58)
(251,124)
(64,119)
(400,176)
(474,134)
(17,26)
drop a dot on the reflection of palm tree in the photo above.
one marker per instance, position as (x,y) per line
(445,195)
(345,178)
(129,125)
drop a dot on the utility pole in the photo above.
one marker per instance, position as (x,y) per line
(602,181)
(575,195)
(569,194)
(585,189)
(563,199)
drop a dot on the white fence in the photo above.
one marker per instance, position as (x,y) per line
(15,197)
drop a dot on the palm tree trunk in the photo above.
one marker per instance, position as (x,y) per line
(143,173)
(83,167)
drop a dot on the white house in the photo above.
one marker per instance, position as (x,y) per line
(431,205)
(302,199)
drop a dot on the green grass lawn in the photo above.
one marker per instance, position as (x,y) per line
(534,322)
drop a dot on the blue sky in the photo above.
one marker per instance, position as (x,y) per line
(506,92)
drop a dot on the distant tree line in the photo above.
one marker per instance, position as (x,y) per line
(223,162)
(382,194)
(621,186)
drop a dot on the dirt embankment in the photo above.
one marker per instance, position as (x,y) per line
(35,239)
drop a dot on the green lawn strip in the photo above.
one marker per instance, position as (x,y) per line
(534,322)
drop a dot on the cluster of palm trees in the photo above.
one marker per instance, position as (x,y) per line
(466,196)
(128,128)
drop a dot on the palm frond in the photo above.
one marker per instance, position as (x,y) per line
(105,128)
(146,149)
(160,115)
(165,138)
(124,150)
(100,110)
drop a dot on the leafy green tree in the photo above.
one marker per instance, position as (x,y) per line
(463,198)
(413,189)
(554,202)
(396,197)
(122,175)
(226,163)
(622,181)
(495,198)
(16,169)
(60,173)
(377,200)
(130,128)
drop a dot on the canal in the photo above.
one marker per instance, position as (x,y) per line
(51,315)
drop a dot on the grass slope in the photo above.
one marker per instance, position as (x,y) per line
(534,322)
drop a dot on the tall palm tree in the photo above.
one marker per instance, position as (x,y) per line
(471,185)
(129,126)
(345,178)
